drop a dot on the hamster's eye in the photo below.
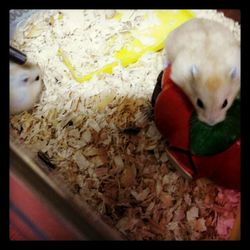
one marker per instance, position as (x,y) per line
(25,79)
(37,78)
(200,103)
(224,104)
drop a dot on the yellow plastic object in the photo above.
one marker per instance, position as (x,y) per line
(143,41)
(106,69)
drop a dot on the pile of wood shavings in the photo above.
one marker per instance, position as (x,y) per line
(100,135)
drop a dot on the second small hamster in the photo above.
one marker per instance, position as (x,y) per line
(25,86)
(205,59)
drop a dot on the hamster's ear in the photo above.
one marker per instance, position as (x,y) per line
(194,71)
(233,73)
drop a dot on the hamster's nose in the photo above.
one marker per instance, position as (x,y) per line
(208,120)
(211,122)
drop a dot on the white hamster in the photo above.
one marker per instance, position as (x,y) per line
(205,64)
(25,86)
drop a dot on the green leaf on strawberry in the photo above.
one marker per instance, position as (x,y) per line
(209,140)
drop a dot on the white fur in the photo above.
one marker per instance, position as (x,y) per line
(24,94)
(199,50)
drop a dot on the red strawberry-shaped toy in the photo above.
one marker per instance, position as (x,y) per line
(197,149)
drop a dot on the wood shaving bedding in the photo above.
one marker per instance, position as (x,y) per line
(100,135)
